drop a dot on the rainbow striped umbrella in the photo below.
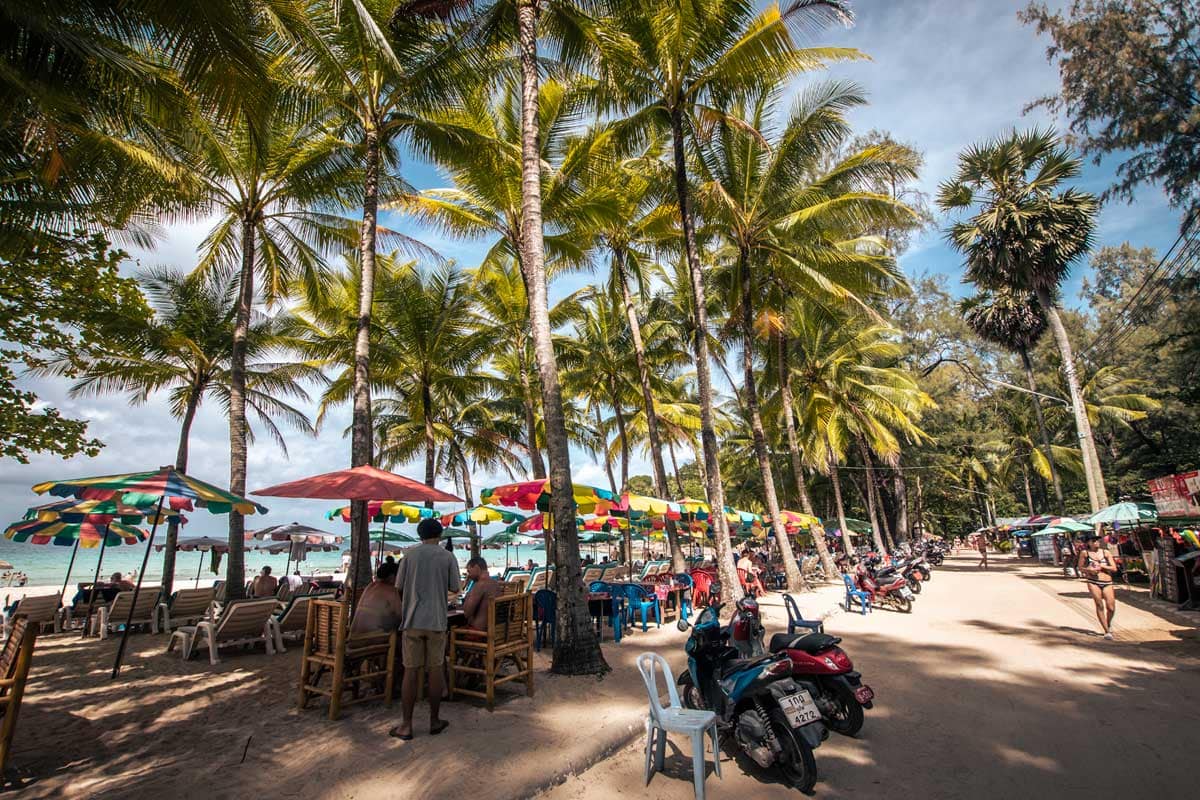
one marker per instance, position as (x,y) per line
(164,483)
(87,535)
(535,496)
(481,515)
(385,511)
(100,512)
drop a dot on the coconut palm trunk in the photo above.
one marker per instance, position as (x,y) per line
(576,646)
(536,465)
(360,442)
(622,435)
(790,567)
(839,506)
(678,561)
(900,492)
(469,494)
(1028,491)
(1097,495)
(726,568)
(430,439)
(785,387)
(181,460)
(1060,503)
(869,494)
(235,566)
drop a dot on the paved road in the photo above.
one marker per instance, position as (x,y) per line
(995,686)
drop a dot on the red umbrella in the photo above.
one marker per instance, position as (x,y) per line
(360,483)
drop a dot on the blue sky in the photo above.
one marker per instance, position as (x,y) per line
(942,75)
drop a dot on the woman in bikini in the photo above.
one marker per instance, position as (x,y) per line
(1096,568)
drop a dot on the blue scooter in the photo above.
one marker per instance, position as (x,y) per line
(772,717)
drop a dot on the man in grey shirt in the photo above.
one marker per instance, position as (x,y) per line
(427,576)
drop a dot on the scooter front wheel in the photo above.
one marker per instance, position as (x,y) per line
(690,694)
(904,605)
(797,762)
(915,585)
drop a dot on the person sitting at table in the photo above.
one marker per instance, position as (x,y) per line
(475,605)
(265,585)
(750,569)
(379,608)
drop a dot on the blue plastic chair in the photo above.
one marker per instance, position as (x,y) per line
(616,606)
(642,601)
(853,592)
(685,597)
(545,617)
(797,620)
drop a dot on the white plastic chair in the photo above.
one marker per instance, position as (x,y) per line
(675,718)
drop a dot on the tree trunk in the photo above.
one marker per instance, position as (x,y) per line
(612,481)
(181,460)
(235,566)
(920,509)
(576,647)
(1087,444)
(1060,503)
(831,460)
(727,570)
(430,440)
(900,490)
(884,525)
(675,468)
(469,494)
(785,387)
(790,567)
(535,454)
(622,436)
(1028,492)
(361,446)
(678,560)
(869,494)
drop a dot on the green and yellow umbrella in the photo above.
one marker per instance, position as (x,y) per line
(100,512)
(87,535)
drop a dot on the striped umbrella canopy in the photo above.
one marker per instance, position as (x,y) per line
(66,534)
(481,515)
(100,512)
(295,548)
(795,519)
(386,511)
(506,538)
(456,535)
(295,532)
(536,522)
(535,496)
(199,544)
(165,483)
(392,536)
(640,505)
(360,483)
(1125,514)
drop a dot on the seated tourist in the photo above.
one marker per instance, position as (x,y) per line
(265,585)
(475,606)
(379,608)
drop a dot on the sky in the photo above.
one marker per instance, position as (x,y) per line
(941,75)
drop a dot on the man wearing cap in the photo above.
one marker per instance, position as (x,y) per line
(427,575)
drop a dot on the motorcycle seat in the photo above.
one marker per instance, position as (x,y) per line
(807,643)
(739,664)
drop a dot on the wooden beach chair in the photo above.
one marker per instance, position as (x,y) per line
(241,622)
(350,661)
(40,611)
(482,653)
(186,607)
(542,578)
(292,619)
(115,613)
(14,669)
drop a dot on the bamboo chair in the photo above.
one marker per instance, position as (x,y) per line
(14,669)
(292,619)
(508,638)
(328,647)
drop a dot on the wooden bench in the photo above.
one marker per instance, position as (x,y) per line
(351,661)
(482,653)
(14,669)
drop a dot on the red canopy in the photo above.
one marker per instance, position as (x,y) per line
(360,483)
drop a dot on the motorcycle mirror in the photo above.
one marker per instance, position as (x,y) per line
(682,624)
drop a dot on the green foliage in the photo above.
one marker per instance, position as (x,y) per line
(64,300)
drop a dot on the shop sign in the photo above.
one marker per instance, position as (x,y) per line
(1177,495)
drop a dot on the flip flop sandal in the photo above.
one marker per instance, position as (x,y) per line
(441,725)
(404,737)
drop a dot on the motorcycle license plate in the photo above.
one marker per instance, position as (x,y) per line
(800,709)
(864,694)
(906,593)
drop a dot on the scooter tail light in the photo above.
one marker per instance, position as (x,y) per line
(779,669)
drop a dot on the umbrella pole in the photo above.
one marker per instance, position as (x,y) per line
(199,567)
(382,539)
(87,621)
(70,564)
(137,590)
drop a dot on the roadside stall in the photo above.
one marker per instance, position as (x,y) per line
(1175,573)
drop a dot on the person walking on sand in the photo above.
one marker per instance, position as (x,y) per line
(981,543)
(1097,567)
(428,574)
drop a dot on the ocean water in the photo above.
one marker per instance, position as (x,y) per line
(46,565)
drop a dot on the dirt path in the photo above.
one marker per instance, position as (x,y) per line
(996,686)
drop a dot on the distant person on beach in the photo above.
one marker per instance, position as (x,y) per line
(427,575)
(379,607)
(475,606)
(1097,567)
(529,565)
(981,545)
(265,585)
(295,582)
(119,583)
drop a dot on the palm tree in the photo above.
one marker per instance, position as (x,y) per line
(662,65)
(778,207)
(1114,399)
(186,349)
(1024,235)
(1014,321)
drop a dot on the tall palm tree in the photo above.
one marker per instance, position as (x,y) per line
(1025,233)
(663,63)
(1015,321)
(186,350)
(779,208)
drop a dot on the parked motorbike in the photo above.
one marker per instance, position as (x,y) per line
(772,717)
(913,574)
(745,629)
(841,694)
(885,588)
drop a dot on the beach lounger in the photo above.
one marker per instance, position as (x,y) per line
(41,611)
(14,669)
(241,622)
(592,574)
(542,579)
(186,607)
(482,653)
(353,662)
(521,578)
(115,613)
(292,618)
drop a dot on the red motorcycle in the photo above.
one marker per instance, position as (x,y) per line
(842,694)
(890,589)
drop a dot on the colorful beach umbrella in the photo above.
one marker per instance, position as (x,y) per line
(295,532)
(535,496)
(359,483)
(1125,514)
(481,515)
(201,544)
(100,512)
(385,511)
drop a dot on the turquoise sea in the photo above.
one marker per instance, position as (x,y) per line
(46,565)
